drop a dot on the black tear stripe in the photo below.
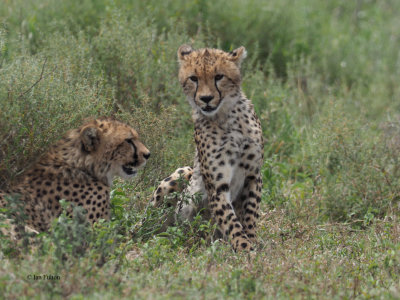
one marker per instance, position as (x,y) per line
(135,156)
(195,93)
(219,92)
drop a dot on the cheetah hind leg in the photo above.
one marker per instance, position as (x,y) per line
(8,227)
(16,232)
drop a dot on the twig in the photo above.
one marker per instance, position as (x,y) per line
(340,224)
(37,81)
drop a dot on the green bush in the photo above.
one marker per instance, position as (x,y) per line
(40,99)
(356,177)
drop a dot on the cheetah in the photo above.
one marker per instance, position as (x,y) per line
(80,169)
(229,145)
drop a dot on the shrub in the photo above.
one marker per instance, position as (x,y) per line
(40,99)
(355,172)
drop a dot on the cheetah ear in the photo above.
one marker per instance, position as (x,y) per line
(237,55)
(90,138)
(183,51)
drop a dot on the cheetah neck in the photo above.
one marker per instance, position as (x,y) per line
(72,164)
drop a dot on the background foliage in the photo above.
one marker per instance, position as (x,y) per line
(323,76)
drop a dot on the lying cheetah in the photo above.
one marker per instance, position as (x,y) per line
(229,144)
(79,168)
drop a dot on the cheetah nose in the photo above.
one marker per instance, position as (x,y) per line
(206,99)
(146,156)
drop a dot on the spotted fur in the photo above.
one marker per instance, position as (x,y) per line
(229,144)
(79,168)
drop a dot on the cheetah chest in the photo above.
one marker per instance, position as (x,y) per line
(226,156)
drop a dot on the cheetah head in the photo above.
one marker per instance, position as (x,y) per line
(113,148)
(210,77)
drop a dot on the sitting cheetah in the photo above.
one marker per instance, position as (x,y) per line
(79,168)
(229,144)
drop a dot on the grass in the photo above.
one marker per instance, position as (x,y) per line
(293,260)
(323,78)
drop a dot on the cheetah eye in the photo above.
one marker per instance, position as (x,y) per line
(130,141)
(218,77)
(193,78)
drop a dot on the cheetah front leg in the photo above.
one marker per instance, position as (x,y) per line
(247,206)
(227,220)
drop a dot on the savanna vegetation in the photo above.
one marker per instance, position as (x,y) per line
(324,79)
